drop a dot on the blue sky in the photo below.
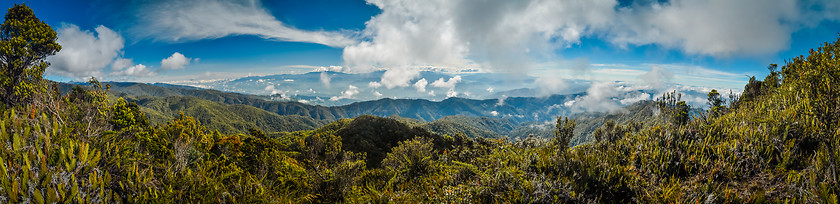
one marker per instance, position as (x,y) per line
(712,43)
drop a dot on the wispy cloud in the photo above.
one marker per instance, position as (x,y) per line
(209,19)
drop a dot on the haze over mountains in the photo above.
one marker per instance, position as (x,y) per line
(519,109)
(331,88)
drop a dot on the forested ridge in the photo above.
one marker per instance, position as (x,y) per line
(778,142)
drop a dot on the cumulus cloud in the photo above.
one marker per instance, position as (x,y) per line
(598,98)
(374,84)
(126,67)
(494,113)
(211,19)
(656,78)
(121,63)
(441,83)
(399,77)
(377,94)
(347,94)
(273,90)
(420,85)
(500,35)
(451,93)
(512,36)
(83,53)
(134,70)
(325,79)
(176,61)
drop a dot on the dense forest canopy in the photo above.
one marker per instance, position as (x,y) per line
(778,142)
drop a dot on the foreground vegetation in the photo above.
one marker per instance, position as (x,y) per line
(779,142)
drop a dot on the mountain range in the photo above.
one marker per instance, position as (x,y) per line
(514,117)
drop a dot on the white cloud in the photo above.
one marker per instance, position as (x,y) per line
(637,98)
(135,70)
(211,19)
(328,69)
(494,113)
(514,36)
(490,89)
(347,94)
(420,85)
(121,63)
(374,84)
(399,77)
(84,54)
(325,79)
(500,35)
(440,83)
(126,67)
(272,89)
(451,93)
(501,101)
(598,98)
(569,103)
(176,61)
(718,28)
(377,94)
(656,78)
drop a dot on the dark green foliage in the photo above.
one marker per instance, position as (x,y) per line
(565,130)
(228,119)
(672,107)
(612,131)
(643,113)
(472,126)
(25,42)
(715,102)
(755,88)
(375,136)
(125,114)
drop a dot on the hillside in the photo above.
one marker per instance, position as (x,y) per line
(513,108)
(162,102)
(228,119)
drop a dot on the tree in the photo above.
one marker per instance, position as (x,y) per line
(674,108)
(715,102)
(25,42)
(564,131)
(125,115)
